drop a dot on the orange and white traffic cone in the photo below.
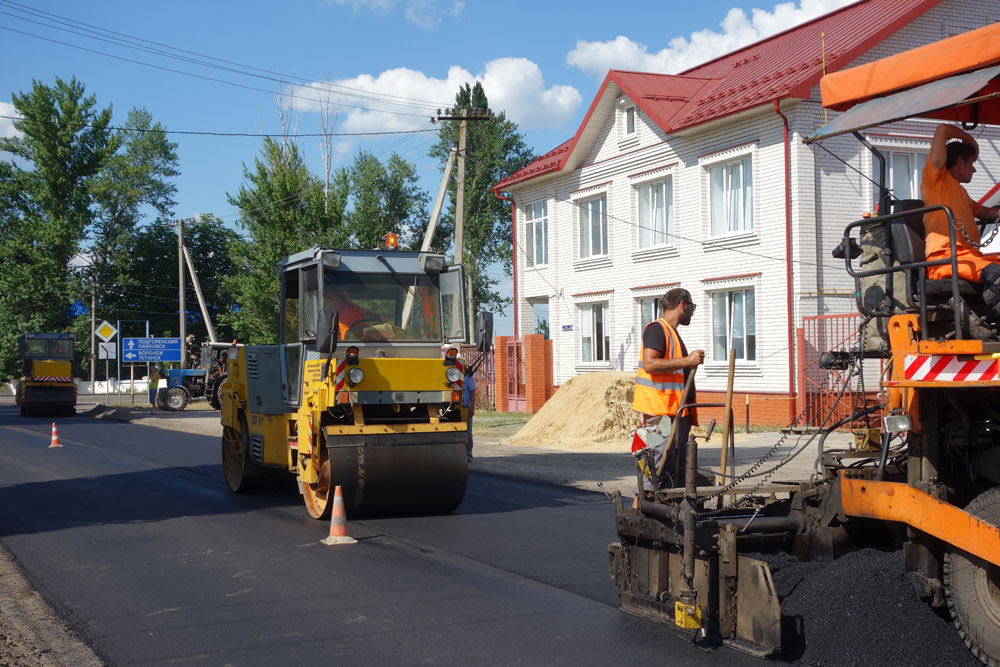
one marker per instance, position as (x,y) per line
(338,522)
(55,437)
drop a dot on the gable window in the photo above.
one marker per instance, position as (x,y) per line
(731,196)
(595,344)
(536,233)
(649,311)
(593,226)
(903,174)
(734,325)
(656,213)
(629,121)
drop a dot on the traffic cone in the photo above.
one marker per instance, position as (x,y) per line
(338,522)
(55,437)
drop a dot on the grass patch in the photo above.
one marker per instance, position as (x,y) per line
(492,424)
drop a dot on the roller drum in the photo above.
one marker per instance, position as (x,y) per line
(411,474)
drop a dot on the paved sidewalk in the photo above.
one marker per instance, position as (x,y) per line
(582,465)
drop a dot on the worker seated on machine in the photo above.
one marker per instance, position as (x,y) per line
(358,323)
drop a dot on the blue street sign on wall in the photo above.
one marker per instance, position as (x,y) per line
(142,350)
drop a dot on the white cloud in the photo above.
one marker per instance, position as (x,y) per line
(682,53)
(426,14)
(7,124)
(512,85)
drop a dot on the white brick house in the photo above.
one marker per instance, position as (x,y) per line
(680,180)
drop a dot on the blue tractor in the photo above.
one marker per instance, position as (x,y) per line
(185,385)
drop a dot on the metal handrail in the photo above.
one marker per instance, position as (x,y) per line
(897,218)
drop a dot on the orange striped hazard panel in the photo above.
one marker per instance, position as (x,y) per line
(949,368)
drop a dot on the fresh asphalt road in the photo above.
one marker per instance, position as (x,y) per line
(132,536)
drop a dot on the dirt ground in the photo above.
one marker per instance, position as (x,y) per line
(31,634)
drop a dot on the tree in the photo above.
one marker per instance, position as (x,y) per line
(283,210)
(134,178)
(494,150)
(385,198)
(64,140)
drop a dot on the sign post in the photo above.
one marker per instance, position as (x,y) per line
(108,350)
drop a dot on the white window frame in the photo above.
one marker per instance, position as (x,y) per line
(628,120)
(591,327)
(584,209)
(657,310)
(733,302)
(727,160)
(648,235)
(536,233)
(916,158)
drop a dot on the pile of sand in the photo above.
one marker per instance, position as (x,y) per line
(589,408)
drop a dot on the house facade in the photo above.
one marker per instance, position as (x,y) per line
(701,180)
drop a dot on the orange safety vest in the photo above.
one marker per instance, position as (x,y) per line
(660,393)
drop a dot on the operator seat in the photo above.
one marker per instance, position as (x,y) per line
(908,247)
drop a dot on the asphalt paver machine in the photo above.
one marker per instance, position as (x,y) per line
(46,385)
(695,559)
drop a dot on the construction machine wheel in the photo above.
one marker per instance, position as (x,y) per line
(176,399)
(318,497)
(972,587)
(236,455)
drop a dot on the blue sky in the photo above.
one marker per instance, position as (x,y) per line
(384,65)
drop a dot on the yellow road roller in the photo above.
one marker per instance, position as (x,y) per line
(363,389)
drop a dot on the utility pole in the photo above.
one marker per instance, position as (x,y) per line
(180,286)
(463,129)
(93,308)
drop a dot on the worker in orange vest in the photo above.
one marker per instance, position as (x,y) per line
(664,364)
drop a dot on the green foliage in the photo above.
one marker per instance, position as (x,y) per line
(385,198)
(284,210)
(45,199)
(494,150)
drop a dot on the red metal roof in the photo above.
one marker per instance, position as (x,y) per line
(785,65)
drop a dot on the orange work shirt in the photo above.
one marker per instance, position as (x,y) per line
(939,187)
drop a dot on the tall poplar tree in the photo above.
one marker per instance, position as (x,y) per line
(63,140)
(494,150)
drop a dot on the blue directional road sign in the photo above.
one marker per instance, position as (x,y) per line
(142,350)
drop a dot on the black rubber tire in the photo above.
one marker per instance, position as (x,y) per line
(236,466)
(176,399)
(972,587)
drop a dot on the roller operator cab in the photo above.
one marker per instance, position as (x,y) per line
(363,389)
(46,386)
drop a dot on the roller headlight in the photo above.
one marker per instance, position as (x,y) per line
(452,374)
(355,375)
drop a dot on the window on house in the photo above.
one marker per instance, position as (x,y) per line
(536,233)
(595,344)
(903,174)
(734,325)
(649,311)
(593,227)
(629,121)
(656,213)
(731,200)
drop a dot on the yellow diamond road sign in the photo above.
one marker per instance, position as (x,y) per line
(106,331)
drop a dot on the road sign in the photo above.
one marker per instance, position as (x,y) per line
(106,332)
(107,351)
(142,350)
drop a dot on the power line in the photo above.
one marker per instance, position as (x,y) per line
(137,43)
(203,77)
(236,134)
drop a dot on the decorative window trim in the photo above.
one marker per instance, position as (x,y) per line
(644,291)
(730,153)
(655,253)
(592,299)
